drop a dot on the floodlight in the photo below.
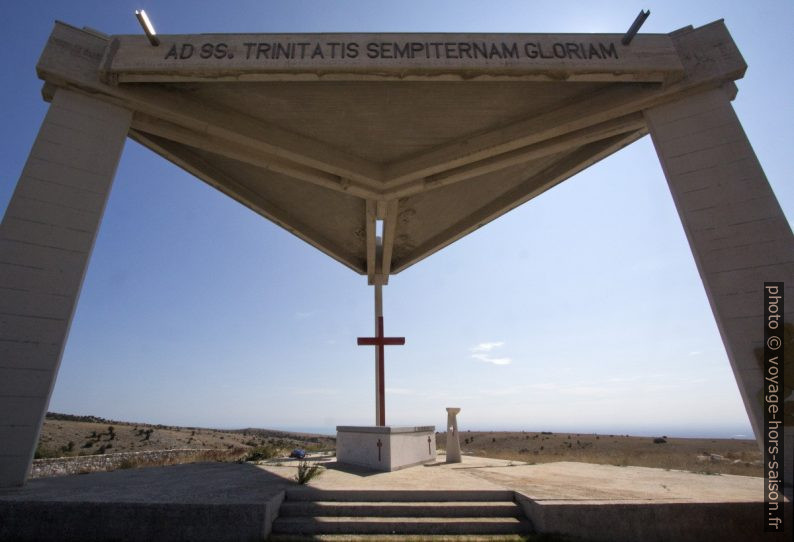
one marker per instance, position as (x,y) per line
(147,27)
(635,27)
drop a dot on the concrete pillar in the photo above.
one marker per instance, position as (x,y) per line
(46,238)
(737,232)
(453,439)
(380,400)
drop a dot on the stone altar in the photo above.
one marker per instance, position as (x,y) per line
(385,448)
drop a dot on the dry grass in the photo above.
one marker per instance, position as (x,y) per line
(94,437)
(740,457)
(199,456)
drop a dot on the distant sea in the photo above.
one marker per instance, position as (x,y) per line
(737,432)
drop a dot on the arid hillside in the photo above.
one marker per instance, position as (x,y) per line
(68,435)
(709,456)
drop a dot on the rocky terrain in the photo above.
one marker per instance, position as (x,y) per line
(65,435)
(709,456)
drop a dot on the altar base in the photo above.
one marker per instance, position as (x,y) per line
(385,448)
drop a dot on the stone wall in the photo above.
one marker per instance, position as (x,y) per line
(61,466)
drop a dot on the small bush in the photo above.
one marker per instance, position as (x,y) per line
(659,440)
(261,453)
(307,471)
(43,453)
(128,463)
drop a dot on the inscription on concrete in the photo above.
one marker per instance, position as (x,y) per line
(447,50)
(595,57)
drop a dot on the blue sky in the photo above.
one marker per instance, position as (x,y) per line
(582,310)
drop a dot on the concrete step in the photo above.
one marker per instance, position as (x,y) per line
(473,509)
(407,538)
(398,525)
(313,494)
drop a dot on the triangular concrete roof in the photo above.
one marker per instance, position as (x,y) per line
(436,134)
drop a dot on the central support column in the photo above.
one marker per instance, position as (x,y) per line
(380,382)
(46,239)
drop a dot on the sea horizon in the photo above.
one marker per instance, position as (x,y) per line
(722,433)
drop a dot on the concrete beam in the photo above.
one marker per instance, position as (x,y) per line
(736,229)
(256,154)
(554,174)
(710,59)
(194,164)
(547,147)
(371,245)
(73,57)
(309,57)
(46,239)
(389,234)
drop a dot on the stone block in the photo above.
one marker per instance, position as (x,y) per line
(385,448)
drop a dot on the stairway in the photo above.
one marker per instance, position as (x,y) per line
(340,514)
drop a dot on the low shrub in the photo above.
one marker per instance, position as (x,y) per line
(260,453)
(128,463)
(307,471)
(44,453)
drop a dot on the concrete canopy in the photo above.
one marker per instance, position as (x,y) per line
(436,135)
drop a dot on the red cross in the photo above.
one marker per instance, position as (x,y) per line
(380,341)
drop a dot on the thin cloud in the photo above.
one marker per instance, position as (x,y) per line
(487,347)
(482,351)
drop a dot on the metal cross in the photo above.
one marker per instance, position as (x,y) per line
(380,341)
